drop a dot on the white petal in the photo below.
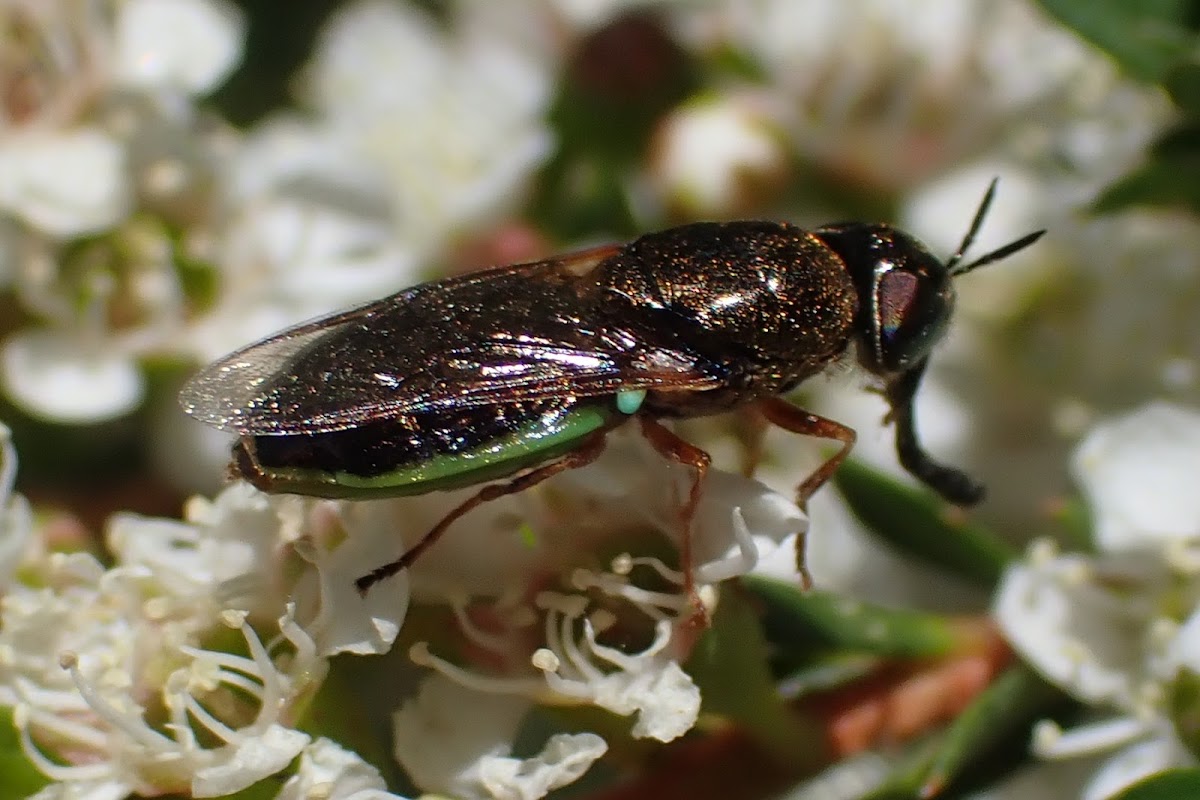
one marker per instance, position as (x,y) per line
(16,533)
(1051,742)
(55,377)
(485,552)
(331,772)
(348,622)
(16,516)
(458,138)
(650,684)
(564,760)
(248,761)
(732,508)
(293,155)
(1138,474)
(234,536)
(64,184)
(315,255)
(1073,632)
(1055,780)
(188,454)
(1134,763)
(85,790)
(185,45)
(444,734)
(710,153)
(1184,650)
(667,703)
(370,38)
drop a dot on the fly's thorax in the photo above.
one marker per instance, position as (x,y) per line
(763,291)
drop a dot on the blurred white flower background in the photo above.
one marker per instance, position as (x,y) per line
(182,177)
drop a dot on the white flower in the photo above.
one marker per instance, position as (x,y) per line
(64,183)
(1079,633)
(588,15)
(59,377)
(186,45)
(650,683)
(1092,630)
(330,772)
(309,231)
(91,715)
(892,92)
(84,790)
(344,621)
(713,153)
(629,490)
(239,548)
(457,138)
(1099,626)
(737,521)
(229,547)
(457,741)
(549,646)
(16,517)
(90,657)
(1137,473)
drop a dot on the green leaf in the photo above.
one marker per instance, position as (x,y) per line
(1076,527)
(1146,37)
(265,789)
(1007,709)
(604,118)
(1168,181)
(17,774)
(729,664)
(1184,703)
(1009,706)
(798,619)
(918,524)
(1180,141)
(580,195)
(1170,785)
(1183,84)
(349,710)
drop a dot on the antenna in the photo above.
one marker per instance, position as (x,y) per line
(954,267)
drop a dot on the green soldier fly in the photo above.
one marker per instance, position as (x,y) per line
(507,376)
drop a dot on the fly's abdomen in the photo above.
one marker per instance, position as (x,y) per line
(428,451)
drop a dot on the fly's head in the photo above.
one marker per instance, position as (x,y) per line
(906,299)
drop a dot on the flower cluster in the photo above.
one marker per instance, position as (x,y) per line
(143,232)
(1118,627)
(120,680)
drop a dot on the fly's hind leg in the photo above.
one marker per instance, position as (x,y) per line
(797,420)
(673,448)
(588,452)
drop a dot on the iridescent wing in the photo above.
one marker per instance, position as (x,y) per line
(528,331)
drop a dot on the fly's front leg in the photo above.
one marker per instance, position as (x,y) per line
(588,452)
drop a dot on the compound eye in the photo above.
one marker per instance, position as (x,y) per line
(911,314)
(896,294)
